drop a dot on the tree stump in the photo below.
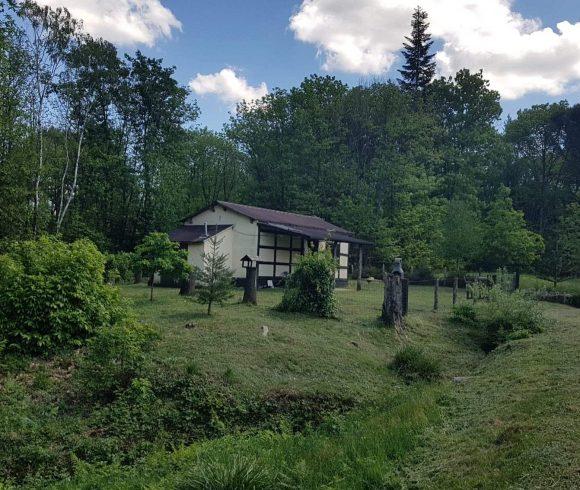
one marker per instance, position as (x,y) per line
(250,288)
(393,302)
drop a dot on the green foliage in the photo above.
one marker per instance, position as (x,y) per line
(500,317)
(215,277)
(115,357)
(507,239)
(157,254)
(419,68)
(52,295)
(413,364)
(237,474)
(462,234)
(310,287)
(120,268)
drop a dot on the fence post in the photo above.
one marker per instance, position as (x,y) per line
(455,286)
(360,263)
(393,302)
(405,294)
(436,296)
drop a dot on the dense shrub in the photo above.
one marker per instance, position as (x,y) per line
(310,287)
(500,317)
(121,268)
(115,356)
(412,364)
(52,294)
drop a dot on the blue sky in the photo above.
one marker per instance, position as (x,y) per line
(259,46)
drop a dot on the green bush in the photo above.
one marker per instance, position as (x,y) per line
(412,364)
(310,287)
(120,268)
(115,356)
(52,294)
(502,316)
(464,313)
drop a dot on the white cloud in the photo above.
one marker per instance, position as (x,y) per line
(228,86)
(126,22)
(517,54)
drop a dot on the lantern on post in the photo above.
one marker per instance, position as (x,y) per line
(250,288)
(398,268)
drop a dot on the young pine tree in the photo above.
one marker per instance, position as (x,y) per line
(419,68)
(216,277)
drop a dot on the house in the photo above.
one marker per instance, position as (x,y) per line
(276,239)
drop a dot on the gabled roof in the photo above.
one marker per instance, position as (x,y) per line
(195,233)
(311,227)
(264,215)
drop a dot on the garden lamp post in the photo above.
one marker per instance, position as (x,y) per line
(250,287)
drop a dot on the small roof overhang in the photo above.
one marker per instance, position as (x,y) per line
(195,233)
(314,233)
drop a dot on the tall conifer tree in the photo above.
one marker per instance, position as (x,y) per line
(419,68)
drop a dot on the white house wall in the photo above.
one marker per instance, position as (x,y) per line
(240,240)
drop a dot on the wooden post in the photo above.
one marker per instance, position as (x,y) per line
(393,302)
(360,263)
(455,286)
(436,296)
(405,296)
(187,286)
(250,288)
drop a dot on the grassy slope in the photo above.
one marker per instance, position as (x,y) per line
(347,355)
(571,286)
(514,423)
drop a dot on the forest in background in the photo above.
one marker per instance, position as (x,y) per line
(105,146)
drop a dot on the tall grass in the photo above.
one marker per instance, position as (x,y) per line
(361,450)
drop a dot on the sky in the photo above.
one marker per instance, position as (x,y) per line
(225,51)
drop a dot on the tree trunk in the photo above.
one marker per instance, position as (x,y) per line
(455,287)
(209,308)
(436,296)
(392,314)
(250,290)
(152,281)
(517,279)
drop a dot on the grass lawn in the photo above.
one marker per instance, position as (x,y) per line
(346,355)
(513,422)
(571,286)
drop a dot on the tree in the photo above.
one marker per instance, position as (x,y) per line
(508,242)
(157,254)
(419,68)
(215,277)
(462,234)
(562,257)
(49,43)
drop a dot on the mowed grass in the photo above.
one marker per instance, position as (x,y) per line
(515,421)
(512,421)
(570,286)
(347,355)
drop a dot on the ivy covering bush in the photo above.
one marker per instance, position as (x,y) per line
(114,359)
(310,287)
(500,317)
(52,294)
